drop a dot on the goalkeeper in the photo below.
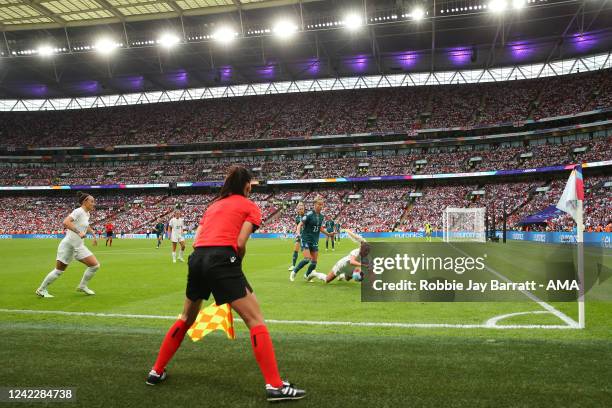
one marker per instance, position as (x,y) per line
(349,267)
(428,231)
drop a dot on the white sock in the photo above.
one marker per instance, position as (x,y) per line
(51,276)
(174,255)
(320,275)
(181,254)
(89,273)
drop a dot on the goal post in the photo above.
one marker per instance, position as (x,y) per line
(464,225)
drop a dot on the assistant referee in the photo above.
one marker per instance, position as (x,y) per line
(215,266)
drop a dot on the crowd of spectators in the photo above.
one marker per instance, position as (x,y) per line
(33,215)
(429,207)
(283,220)
(597,209)
(428,161)
(374,209)
(311,113)
(569,98)
(139,213)
(507,101)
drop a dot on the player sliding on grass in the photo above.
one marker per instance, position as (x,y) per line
(215,266)
(73,247)
(300,210)
(310,226)
(349,267)
(176,226)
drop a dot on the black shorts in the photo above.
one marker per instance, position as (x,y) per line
(216,270)
(109,234)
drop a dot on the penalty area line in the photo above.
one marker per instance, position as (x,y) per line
(302,322)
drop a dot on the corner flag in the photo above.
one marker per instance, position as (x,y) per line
(571,203)
(213,318)
(573,192)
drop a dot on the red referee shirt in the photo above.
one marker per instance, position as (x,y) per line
(223,220)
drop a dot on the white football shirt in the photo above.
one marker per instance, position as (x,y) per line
(81,222)
(177,225)
(345,261)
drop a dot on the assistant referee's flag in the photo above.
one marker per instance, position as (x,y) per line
(213,318)
(574,192)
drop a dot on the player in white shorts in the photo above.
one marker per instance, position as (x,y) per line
(349,267)
(176,228)
(73,247)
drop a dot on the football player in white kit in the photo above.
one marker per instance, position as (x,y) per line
(349,267)
(176,228)
(73,247)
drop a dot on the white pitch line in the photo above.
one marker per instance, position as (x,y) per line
(128,252)
(493,321)
(568,320)
(302,322)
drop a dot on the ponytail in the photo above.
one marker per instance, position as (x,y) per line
(235,181)
(81,196)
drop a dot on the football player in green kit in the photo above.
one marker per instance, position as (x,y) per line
(330,228)
(310,227)
(159,232)
(296,248)
(338,229)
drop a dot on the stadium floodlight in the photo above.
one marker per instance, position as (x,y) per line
(353,21)
(224,35)
(417,14)
(105,46)
(285,29)
(518,4)
(168,40)
(45,51)
(498,6)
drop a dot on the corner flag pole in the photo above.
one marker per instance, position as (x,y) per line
(571,202)
(580,259)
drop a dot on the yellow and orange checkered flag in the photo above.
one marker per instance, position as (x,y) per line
(213,318)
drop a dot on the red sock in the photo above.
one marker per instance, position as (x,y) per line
(171,343)
(264,354)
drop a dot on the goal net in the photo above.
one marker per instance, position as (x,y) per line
(464,224)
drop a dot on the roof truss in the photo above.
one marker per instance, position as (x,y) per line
(41,14)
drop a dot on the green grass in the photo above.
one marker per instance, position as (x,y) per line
(106,358)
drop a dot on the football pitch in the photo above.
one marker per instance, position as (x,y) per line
(342,351)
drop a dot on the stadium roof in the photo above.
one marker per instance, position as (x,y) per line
(453,35)
(37,14)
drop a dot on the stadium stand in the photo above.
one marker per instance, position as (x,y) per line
(372,209)
(363,207)
(166,171)
(314,113)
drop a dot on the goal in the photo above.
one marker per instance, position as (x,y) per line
(464,225)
